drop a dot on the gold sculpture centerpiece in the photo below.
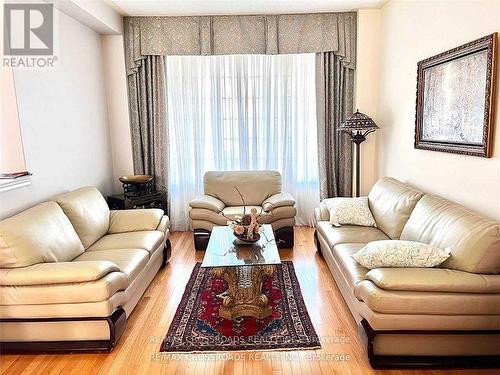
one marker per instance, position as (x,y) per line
(246,228)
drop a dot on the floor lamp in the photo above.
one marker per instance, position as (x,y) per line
(358,126)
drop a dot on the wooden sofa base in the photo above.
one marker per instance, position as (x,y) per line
(167,252)
(201,238)
(455,361)
(284,238)
(117,322)
(316,243)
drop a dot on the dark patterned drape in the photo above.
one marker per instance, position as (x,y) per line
(148,119)
(334,98)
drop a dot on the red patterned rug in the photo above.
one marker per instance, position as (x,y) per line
(197,326)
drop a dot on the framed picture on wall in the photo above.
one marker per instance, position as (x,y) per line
(455,99)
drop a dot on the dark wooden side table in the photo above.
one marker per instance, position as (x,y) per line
(157,199)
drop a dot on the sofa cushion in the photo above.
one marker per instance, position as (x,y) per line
(263,217)
(432,303)
(149,241)
(121,221)
(401,254)
(348,234)
(391,203)
(351,270)
(233,211)
(255,186)
(57,273)
(230,212)
(130,261)
(88,212)
(38,235)
(350,211)
(433,280)
(474,240)
(78,292)
(277,224)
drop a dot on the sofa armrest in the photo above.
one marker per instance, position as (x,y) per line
(164,225)
(207,202)
(121,221)
(57,273)
(433,280)
(317,214)
(278,200)
(324,213)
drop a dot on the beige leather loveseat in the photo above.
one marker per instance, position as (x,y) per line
(421,316)
(221,201)
(72,271)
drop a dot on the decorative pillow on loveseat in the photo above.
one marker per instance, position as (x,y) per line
(350,211)
(397,253)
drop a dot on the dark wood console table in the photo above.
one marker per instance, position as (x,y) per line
(157,199)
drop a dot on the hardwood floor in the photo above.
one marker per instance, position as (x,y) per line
(137,350)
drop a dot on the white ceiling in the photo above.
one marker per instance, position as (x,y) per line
(216,7)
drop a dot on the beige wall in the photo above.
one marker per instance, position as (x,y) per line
(412,31)
(117,101)
(63,117)
(367,87)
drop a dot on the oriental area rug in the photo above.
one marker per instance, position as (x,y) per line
(197,326)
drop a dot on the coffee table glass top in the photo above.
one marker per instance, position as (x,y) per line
(224,250)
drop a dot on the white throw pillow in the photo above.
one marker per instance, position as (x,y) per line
(396,253)
(350,211)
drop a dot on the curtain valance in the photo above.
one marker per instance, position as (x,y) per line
(225,35)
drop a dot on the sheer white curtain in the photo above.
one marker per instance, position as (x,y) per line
(242,112)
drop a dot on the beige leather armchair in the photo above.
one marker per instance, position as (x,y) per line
(448,315)
(72,271)
(221,200)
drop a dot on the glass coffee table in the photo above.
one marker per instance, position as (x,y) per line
(244,267)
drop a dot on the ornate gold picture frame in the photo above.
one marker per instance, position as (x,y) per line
(455,99)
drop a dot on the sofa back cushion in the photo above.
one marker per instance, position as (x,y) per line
(40,234)
(255,186)
(87,210)
(391,203)
(474,240)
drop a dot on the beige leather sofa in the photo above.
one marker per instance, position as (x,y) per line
(446,316)
(260,189)
(72,271)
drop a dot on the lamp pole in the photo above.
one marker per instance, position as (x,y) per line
(358,126)
(357,139)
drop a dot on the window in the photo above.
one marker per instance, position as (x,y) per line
(11,145)
(242,112)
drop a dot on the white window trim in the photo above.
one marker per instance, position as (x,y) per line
(11,184)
